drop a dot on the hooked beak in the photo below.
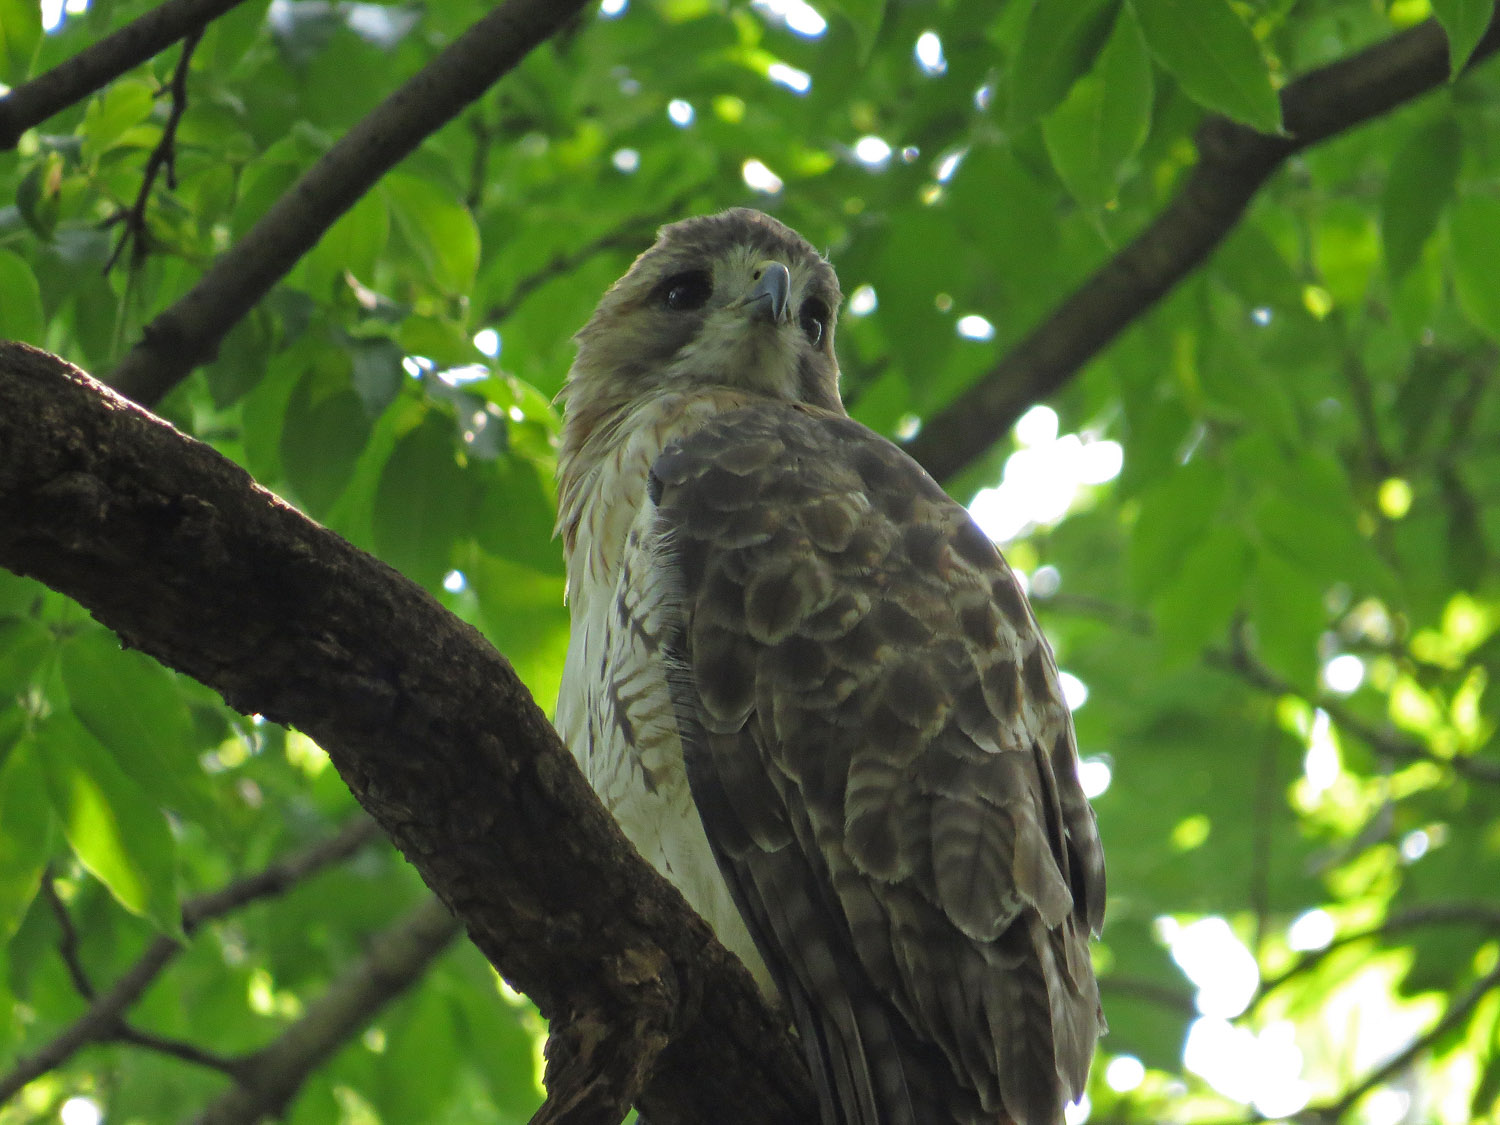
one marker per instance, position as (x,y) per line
(767,301)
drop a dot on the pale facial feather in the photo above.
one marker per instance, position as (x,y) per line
(635,348)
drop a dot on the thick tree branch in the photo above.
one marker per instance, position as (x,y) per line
(177,550)
(1233,163)
(103,1019)
(266,1081)
(188,333)
(95,67)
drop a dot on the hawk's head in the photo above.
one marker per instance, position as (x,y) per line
(732,300)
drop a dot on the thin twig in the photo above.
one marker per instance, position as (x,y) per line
(1415,917)
(187,1052)
(1363,396)
(99,1023)
(104,1019)
(67,945)
(280,876)
(93,68)
(1383,740)
(133,228)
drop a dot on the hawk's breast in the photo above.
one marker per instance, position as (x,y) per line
(614,709)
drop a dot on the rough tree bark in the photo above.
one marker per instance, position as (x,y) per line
(186,558)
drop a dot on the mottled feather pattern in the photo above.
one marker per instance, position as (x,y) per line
(915,840)
(815,698)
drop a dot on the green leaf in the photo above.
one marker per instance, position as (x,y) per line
(499,1038)
(422,503)
(1419,188)
(516,512)
(1286,612)
(19,596)
(243,355)
(131,705)
(117,832)
(121,107)
(324,433)
(37,194)
(1306,512)
(1211,52)
(21,316)
(1171,519)
(865,17)
(1475,237)
(26,840)
(1347,249)
(1105,118)
(1465,22)
(439,230)
(1139,1024)
(1195,606)
(521,610)
(418,1078)
(24,643)
(20,34)
(230,36)
(438,339)
(1058,44)
(378,374)
(354,244)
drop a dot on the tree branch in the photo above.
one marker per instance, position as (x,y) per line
(96,66)
(1429,914)
(176,1048)
(266,1081)
(1383,740)
(1233,163)
(104,1018)
(67,945)
(132,220)
(188,333)
(178,551)
(1457,1012)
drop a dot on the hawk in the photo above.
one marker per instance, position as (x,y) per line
(815,698)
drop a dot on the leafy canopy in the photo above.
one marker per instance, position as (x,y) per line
(1261,528)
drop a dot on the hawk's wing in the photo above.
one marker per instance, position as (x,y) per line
(880,752)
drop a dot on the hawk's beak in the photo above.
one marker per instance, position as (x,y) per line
(767,300)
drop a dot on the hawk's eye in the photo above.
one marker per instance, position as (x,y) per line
(686,291)
(814,320)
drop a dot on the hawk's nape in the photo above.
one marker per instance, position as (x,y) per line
(815,697)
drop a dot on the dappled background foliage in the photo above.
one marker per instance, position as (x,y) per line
(1261,528)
